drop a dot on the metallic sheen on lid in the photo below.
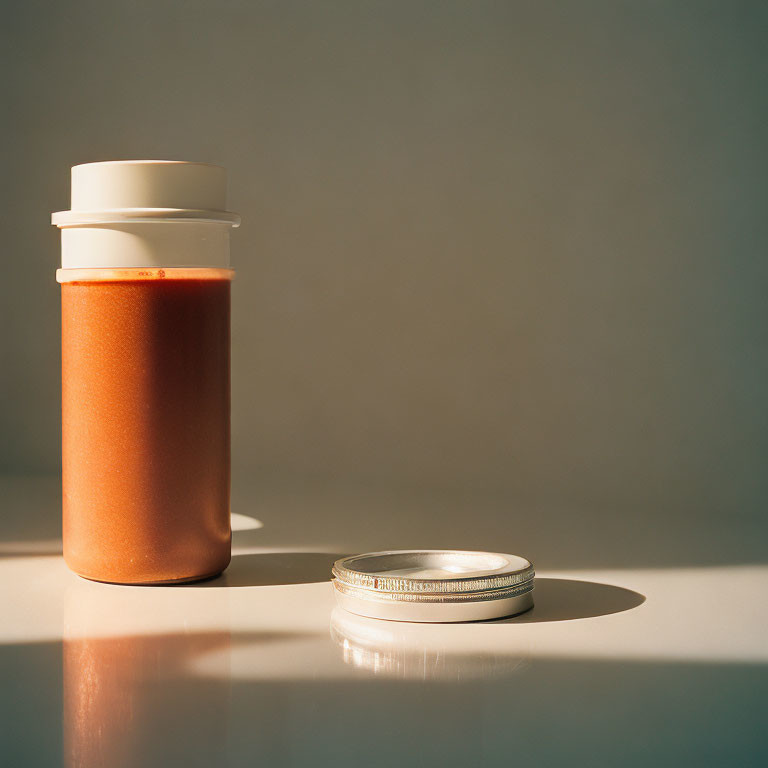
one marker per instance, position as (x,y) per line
(434,585)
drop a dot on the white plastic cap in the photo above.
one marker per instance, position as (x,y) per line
(147,190)
(121,210)
(148,184)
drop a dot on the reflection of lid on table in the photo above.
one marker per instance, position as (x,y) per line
(434,585)
(411,651)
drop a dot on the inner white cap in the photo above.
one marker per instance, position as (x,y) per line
(148,184)
(146,213)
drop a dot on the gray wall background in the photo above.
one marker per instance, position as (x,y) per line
(502,273)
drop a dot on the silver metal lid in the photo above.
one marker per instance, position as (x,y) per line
(434,585)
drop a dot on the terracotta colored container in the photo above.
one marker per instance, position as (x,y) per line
(145,373)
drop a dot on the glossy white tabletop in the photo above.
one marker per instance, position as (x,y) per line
(636,666)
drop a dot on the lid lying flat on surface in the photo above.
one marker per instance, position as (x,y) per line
(434,585)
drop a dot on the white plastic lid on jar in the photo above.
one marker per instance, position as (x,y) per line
(146,213)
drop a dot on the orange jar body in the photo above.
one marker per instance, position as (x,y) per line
(146,423)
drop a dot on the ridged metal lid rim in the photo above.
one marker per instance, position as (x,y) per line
(432,597)
(377,583)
